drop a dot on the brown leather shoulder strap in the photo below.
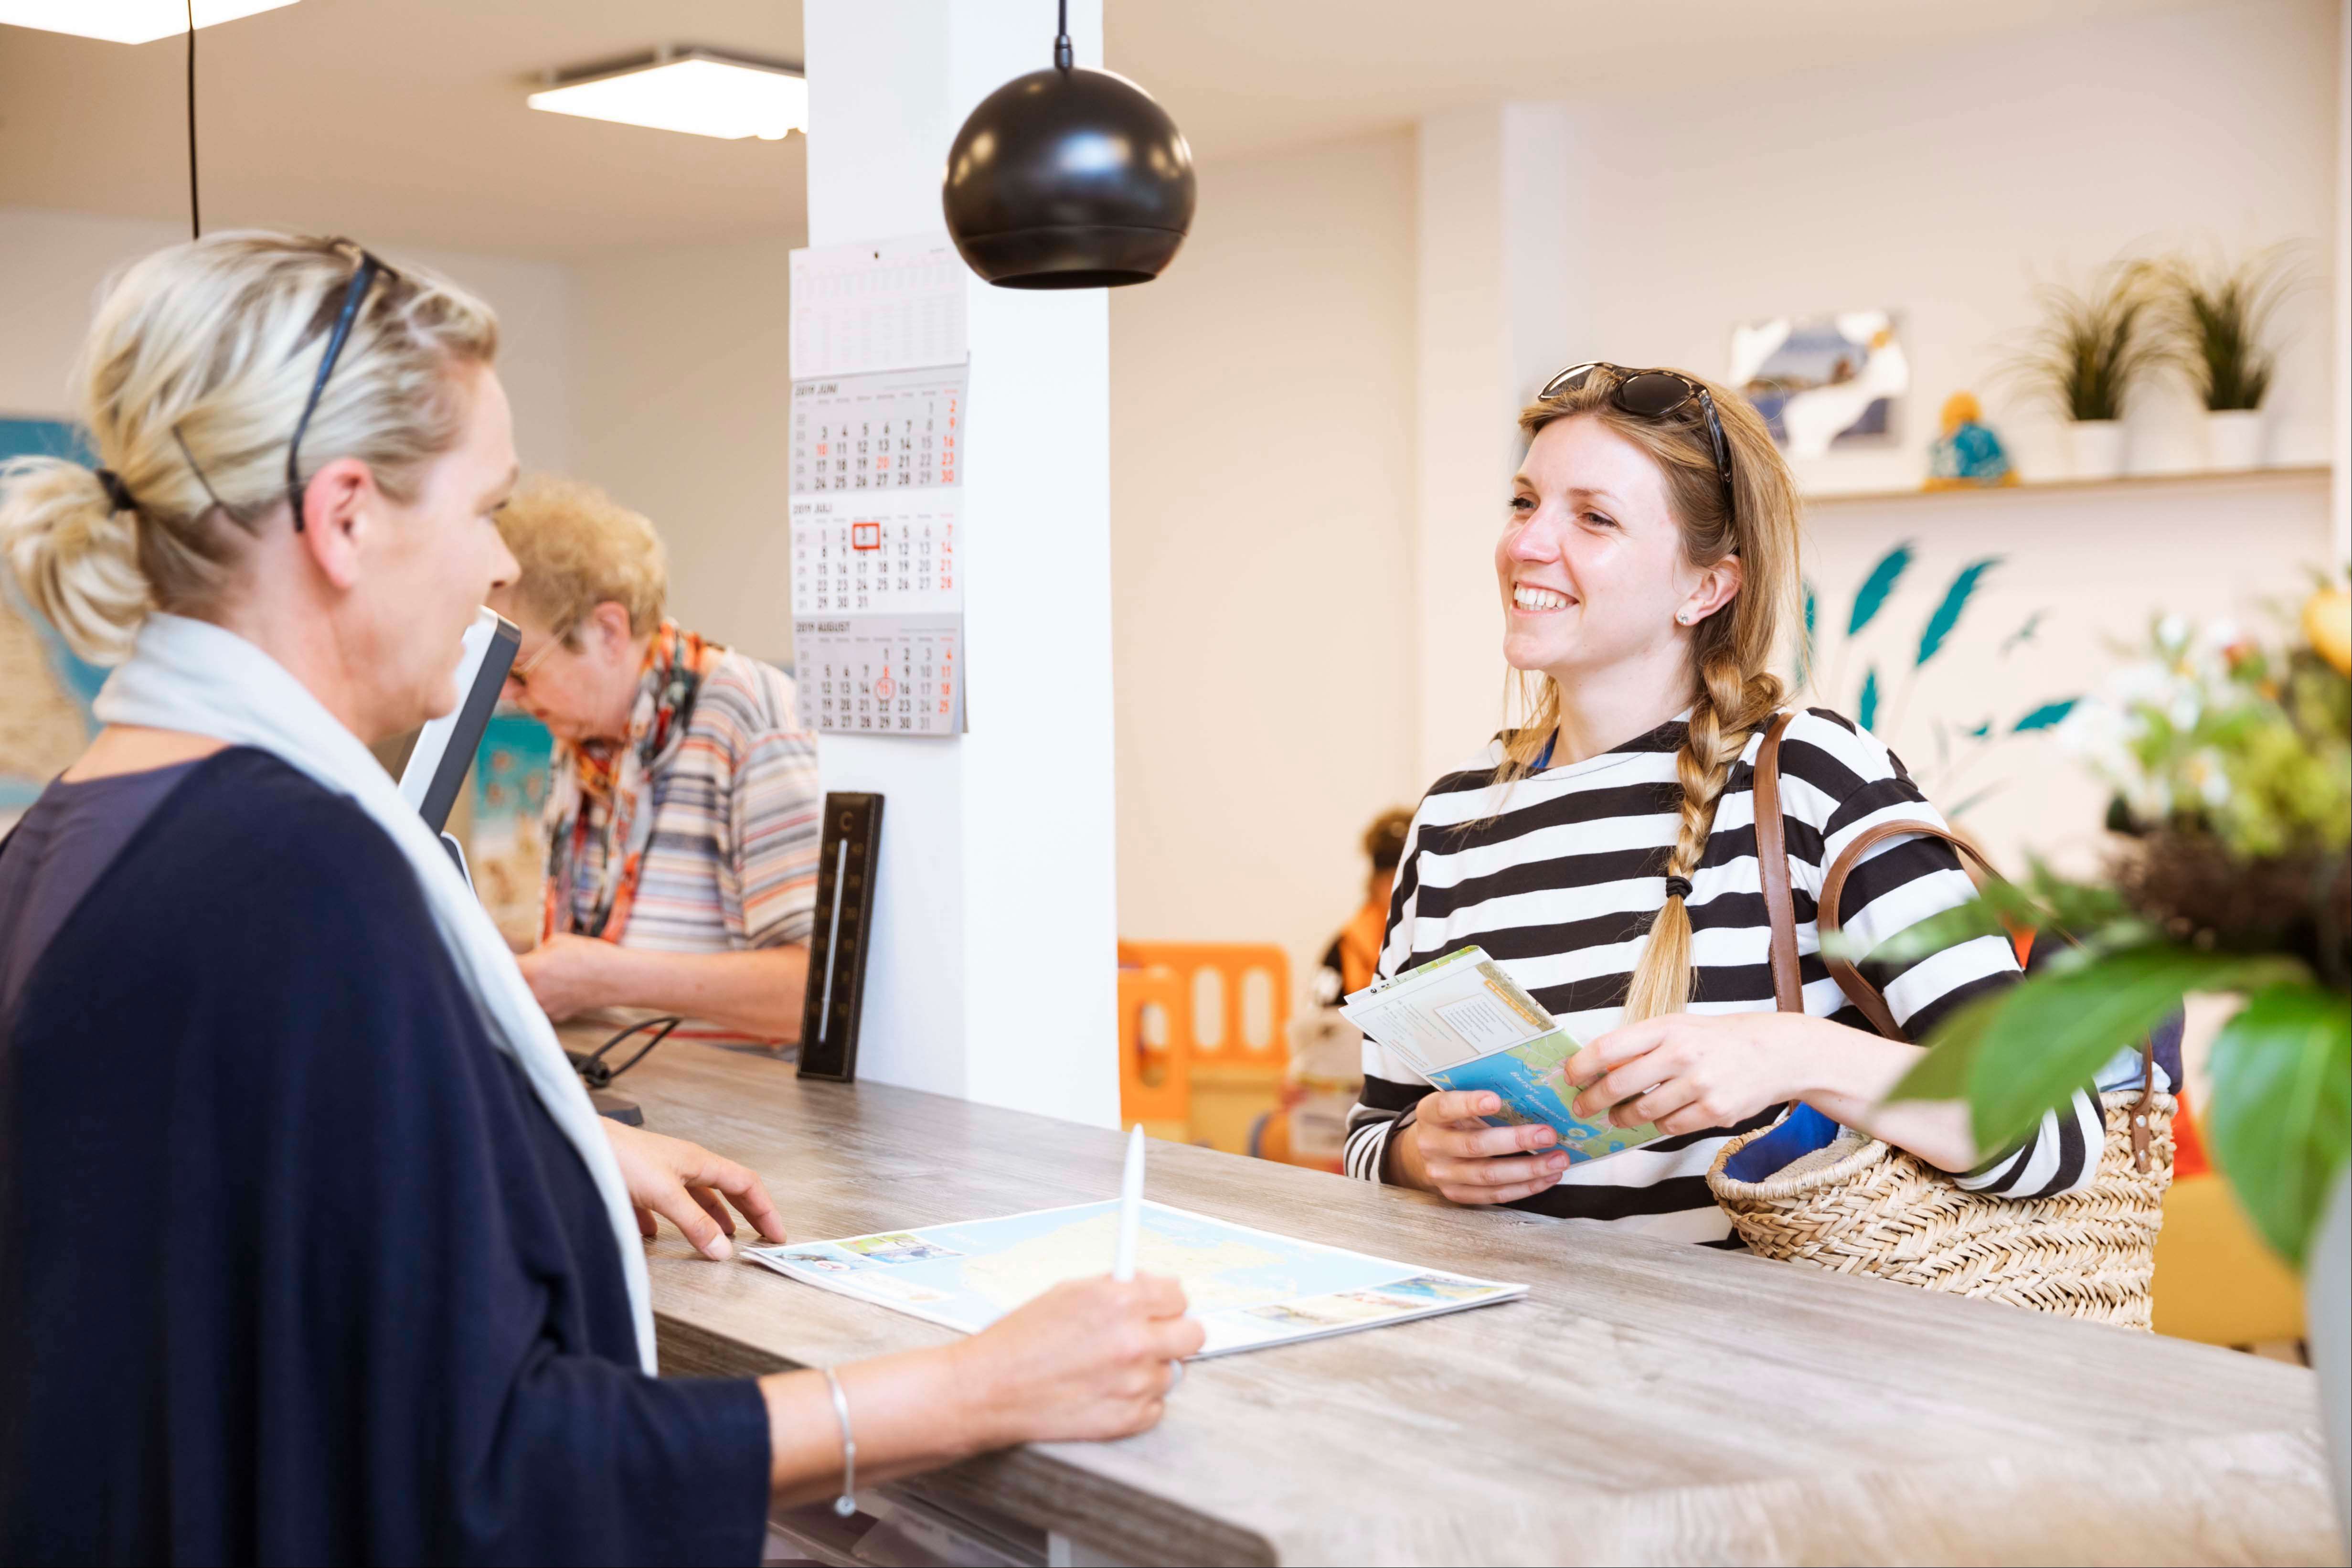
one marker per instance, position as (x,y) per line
(1772,871)
(1858,991)
(1867,996)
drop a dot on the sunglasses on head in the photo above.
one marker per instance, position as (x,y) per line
(355,295)
(1650,394)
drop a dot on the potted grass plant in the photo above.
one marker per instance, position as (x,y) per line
(2231,766)
(2091,349)
(2217,316)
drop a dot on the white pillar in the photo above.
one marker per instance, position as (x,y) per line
(2341,457)
(993,970)
(1505,300)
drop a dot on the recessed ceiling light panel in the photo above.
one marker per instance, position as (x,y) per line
(126,21)
(701,91)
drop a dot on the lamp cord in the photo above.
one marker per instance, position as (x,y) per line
(195,212)
(1062,53)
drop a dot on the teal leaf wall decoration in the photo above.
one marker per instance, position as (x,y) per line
(1871,597)
(1975,800)
(2023,634)
(1866,712)
(2049,716)
(1805,647)
(1947,613)
(1981,730)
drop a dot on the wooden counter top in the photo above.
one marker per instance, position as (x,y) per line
(1649,1402)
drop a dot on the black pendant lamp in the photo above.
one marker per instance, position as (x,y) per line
(1068,179)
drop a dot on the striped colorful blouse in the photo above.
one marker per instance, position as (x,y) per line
(732,863)
(1558,876)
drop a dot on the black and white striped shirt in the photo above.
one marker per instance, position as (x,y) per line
(1558,877)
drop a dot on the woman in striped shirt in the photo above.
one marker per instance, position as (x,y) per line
(1604,853)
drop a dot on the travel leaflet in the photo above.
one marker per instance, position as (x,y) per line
(1463,1024)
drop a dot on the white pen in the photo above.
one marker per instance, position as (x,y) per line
(1130,1207)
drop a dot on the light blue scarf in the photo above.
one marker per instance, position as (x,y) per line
(194,676)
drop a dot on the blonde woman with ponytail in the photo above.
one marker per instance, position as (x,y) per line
(314,1249)
(1603,851)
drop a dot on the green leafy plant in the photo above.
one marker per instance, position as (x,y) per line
(2093,347)
(2208,898)
(2217,316)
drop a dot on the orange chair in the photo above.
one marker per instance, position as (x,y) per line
(1226,1006)
(1155,1071)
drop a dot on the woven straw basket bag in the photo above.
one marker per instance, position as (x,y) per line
(1861,1206)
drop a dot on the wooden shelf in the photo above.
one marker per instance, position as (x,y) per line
(2197,478)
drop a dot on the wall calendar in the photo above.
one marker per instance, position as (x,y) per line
(877,455)
(881,674)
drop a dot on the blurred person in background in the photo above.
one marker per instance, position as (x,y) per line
(1327,1052)
(682,814)
(1348,966)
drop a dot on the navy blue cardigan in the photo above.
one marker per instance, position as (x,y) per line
(293,1267)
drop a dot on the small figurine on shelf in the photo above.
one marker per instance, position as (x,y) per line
(1968,455)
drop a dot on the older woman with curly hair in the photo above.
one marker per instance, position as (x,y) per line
(682,817)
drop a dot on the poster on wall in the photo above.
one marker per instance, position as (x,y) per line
(508,856)
(45,690)
(1825,383)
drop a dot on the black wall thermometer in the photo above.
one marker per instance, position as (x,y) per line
(837,947)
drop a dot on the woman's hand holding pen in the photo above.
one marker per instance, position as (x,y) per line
(1088,1360)
(1450,1151)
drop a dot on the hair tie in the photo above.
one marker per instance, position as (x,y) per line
(118,494)
(1678,886)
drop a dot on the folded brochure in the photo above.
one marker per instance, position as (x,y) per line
(1248,1287)
(1463,1024)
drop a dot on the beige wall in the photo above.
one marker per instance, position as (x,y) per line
(1262,489)
(680,411)
(53,266)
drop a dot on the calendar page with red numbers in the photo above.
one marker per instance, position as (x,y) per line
(887,430)
(881,674)
(873,555)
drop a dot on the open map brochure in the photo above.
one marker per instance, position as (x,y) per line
(1463,1024)
(1248,1287)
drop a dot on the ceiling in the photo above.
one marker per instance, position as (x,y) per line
(401,119)
(405,118)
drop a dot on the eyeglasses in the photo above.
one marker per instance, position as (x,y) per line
(519,675)
(1651,395)
(355,296)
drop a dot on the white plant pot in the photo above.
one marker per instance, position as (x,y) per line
(2094,448)
(2233,438)
(2327,1314)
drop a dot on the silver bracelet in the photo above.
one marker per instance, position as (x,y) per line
(846,1503)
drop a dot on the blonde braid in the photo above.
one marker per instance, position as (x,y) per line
(1728,710)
